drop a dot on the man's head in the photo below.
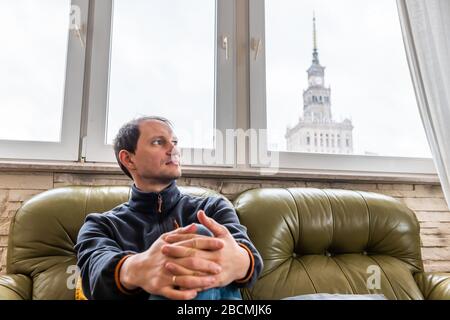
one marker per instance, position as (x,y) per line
(146,150)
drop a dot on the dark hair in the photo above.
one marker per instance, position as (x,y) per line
(128,135)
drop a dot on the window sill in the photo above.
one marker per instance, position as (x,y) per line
(223,173)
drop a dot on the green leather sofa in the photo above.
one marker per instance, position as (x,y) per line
(311,240)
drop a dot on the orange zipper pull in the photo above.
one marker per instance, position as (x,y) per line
(159,203)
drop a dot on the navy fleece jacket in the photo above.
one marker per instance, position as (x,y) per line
(132,227)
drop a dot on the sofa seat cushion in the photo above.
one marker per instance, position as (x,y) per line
(44,231)
(331,241)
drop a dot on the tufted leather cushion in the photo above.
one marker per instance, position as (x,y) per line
(44,231)
(312,241)
(315,241)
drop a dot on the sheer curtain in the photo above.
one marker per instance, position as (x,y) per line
(426,33)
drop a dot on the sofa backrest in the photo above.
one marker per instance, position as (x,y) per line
(44,231)
(331,241)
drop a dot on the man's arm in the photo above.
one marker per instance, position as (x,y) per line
(147,270)
(239,259)
(108,272)
(98,257)
(226,215)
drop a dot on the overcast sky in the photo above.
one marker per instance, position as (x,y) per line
(163,63)
(361,46)
(32,65)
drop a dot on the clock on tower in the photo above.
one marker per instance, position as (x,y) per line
(316,81)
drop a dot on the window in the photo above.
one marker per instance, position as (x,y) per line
(172,75)
(40,83)
(179,59)
(357,56)
(170,58)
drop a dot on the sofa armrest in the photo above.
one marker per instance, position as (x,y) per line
(434,285)
(15,287)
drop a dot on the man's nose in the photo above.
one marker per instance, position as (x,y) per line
(173,148)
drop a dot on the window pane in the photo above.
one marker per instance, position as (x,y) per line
(162,63)
(344,88)
(33,63)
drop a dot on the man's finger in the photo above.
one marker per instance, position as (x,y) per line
(190,229)
(193,266)
(179,270)
(194,282)
(173,238)
(175,294)
(202,243)
(216,228)
(192,247)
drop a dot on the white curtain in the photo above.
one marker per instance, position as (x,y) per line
(426,33)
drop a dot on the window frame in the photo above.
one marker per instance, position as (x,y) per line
(68,146)
(83,132)
(312,161)
(95,148)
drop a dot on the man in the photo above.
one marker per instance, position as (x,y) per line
(152,246)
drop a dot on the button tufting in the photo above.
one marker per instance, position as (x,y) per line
(328,254)
(294,255)
(364,252)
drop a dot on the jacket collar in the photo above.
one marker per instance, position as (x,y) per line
(154,202)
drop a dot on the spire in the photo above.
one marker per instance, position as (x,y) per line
(315,52)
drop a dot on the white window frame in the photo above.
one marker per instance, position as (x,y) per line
(95,148)
(312,161)
(68,146)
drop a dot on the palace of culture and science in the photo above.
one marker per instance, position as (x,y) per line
(317,131)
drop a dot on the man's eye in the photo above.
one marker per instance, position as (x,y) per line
(175,142)
(158,141)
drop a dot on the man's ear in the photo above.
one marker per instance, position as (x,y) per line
(126,158)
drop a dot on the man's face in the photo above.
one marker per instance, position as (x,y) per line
(156,156)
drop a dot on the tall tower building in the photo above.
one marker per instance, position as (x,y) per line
(316,131)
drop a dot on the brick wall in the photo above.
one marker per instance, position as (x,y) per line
(427,201)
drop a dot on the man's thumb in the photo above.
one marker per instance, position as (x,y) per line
(216,228)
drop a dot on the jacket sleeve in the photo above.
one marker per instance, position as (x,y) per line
(224,213)
(98,259)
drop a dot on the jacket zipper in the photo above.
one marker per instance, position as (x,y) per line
(159,203)
(159,209)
